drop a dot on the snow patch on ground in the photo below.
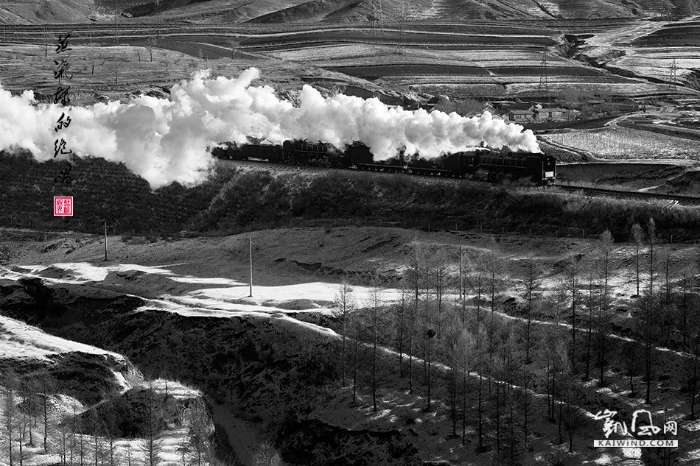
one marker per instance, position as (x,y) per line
(21,340)
(175,389)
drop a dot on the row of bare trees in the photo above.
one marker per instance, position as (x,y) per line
(33,418)
(452,342)
(458,351)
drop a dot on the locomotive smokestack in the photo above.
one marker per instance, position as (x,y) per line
(165,140)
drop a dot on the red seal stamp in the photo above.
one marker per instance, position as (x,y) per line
(63,206)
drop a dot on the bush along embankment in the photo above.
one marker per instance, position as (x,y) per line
(235,200)
(260,199)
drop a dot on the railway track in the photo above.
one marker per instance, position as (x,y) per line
(642,195)
(674,199)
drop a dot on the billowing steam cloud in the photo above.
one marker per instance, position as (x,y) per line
(165,140)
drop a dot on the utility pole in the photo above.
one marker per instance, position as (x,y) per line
(250,256)
(105,240)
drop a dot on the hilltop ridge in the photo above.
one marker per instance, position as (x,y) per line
(271,11)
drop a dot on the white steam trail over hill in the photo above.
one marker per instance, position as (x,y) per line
(165,140)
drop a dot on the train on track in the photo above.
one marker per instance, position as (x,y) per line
(479,163)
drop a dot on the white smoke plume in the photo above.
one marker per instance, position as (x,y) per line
(165,140)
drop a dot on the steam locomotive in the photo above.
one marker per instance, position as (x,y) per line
(479,163)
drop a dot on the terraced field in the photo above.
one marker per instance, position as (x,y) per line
(620,143)
(488,58)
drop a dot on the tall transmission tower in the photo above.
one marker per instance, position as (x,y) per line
(544,73)
(157,13)
(403,17)
(673,74)
(377,15)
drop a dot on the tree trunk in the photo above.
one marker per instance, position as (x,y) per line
(354,375)
(481,422)
(637,259)
(561,438)
(374,369)
(464,407)
(498,423)
(693,386)
(571,430)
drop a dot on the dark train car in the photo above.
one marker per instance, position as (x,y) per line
(449,165)
(321,154)
(544,168)
(221,151)
(479,163)
(539,168)
(231,151)
(271,153)
(361,158)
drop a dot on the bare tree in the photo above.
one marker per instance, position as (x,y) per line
(478,281)
(356,326)
(688,273)
(573,271)
(453,342)
(151,444)
(267,456)
(464,350)
(638,238)
(480,337)
(414,279)
(96,431)
(47,386)
(603,320)
(400,324)
(592,301)
(494,267)
(575,419)
(648,313)
(78,423)
(376,321)
(440,279)
(695,349)
(669,308)
(526,402)
(109,431)
(198,428)
(28,392)
(344,304)
(631,365)
(10,384)
(64,430)
(532,283)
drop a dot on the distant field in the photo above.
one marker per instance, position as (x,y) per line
(476,59)
(657,62)
(672,35)
(378,71)
(627,143)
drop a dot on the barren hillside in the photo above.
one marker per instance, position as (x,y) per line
(237,11)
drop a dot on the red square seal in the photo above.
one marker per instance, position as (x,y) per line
(63,206)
